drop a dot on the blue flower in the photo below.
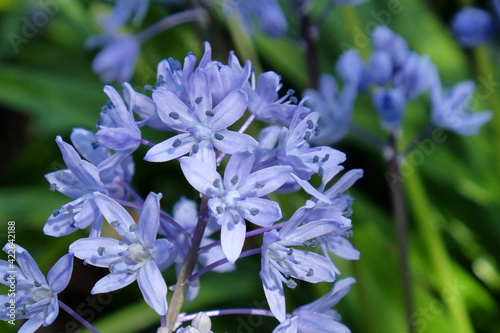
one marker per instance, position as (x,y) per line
(80,181)
(35,296)
(265,104)
(116,61)
(237,197)
(280,261)
(99,171)
(118,129)
(266,14)
(318,315)
(390,105)
(122,11)
(294,150)
(334,106)
(136,257)
(202,127)
(451,110)
(473,26)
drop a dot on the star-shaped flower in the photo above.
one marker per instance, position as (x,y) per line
(237,196)
(35,296)
(136,257)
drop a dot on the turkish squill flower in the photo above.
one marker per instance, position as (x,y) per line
(35,296)
(318,315)
(237,197)
(135,257)
(451,109)
(202,127)
(280,261)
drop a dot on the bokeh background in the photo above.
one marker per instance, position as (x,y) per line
(47,87)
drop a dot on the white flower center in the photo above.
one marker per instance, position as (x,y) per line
(203,132)
(139,253)
(40,293)
(230,198)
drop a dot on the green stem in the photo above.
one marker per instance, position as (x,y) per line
(187,269)
(428,229)
(485,70)
(398,203)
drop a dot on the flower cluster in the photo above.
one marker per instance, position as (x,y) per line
(393,76)
(195,106)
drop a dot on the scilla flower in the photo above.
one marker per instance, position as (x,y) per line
(35,296)
(136,257)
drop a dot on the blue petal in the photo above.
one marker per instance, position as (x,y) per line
(112,282)
(27,264)
(85,143)
(265,181)
(171,148)
(237,170)
(60,274)
(263,212)
(32,324)
(149,220)
(99,251)
(153,287)
(232,238)
(229,110)
(117,217)
(201,176)
(168,105)
(233,142)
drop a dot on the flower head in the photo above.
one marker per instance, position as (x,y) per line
(237,197)
(136,257)
(318,315)
(35,296)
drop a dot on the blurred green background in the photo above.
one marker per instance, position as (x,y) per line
(453,193)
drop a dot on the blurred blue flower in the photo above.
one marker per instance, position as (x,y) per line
(451,110)
(116,61)
(473,26)
(35,297)
(267,15)
(136,257)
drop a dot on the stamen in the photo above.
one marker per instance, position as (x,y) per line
(209,113)
(315,159)
(198,100)
(37,284)
(100,250)
(235,179)
(195,148)
(218,136)
(132,227)
(220,209)
(259,184)
(216,183)
(310,124)
(254,211)
(114,224)
(176,143)
(327,156)
(173,115)
(237,219)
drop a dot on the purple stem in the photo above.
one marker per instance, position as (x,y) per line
(221,262)
(77,317)
(171,21)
